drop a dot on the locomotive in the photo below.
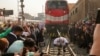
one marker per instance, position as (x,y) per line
(56,12)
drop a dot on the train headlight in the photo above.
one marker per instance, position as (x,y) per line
(49,11)
(64,11)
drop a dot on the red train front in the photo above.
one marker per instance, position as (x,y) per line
(56,12)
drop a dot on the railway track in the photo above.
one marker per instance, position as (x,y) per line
(53,51)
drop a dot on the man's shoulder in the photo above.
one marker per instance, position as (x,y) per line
(10,36)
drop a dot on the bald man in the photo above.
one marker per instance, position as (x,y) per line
(95,50)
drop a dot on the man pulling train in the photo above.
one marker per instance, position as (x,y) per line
(61,42)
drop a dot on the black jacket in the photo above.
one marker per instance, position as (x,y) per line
(8,54)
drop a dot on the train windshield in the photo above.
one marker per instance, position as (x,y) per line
(57,4)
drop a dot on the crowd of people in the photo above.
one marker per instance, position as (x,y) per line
(81,33)
(22,40)
(16,39)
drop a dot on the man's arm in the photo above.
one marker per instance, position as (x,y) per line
(95,50)
(6,32)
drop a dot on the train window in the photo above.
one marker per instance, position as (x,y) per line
(51,4)
(57,4)
(62,5)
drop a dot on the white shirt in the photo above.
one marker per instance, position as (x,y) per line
(25,33)
(60,41)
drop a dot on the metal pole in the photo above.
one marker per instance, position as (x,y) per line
(22,10)
(18,7)
(4,14)
(19,19)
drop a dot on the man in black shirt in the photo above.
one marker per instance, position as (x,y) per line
(14,35)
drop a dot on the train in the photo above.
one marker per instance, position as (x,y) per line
(56,12)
